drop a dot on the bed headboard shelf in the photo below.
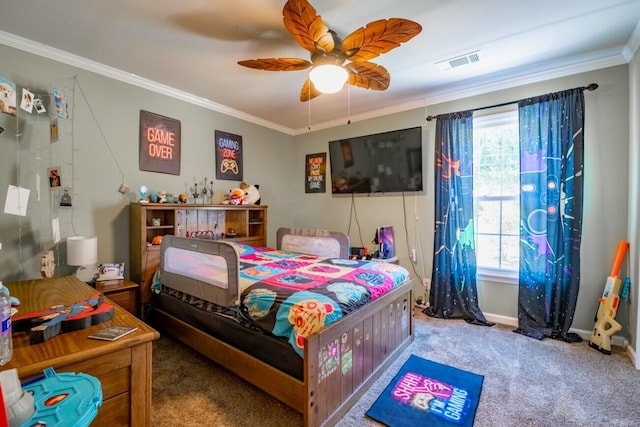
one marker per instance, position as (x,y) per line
(248,221)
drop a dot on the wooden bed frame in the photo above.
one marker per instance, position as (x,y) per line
(340,362)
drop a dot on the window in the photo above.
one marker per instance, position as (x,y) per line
(496,183)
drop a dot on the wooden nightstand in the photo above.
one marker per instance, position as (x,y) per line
(122,292)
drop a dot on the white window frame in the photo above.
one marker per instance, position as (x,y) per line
(498,275)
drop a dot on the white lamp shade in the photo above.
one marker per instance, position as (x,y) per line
(328,78)
(82,250)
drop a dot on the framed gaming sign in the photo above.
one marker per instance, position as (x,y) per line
(159,143)
(228,156)
(315,173)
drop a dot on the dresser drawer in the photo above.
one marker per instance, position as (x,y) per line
(121,292)
(124,299)
(114,412)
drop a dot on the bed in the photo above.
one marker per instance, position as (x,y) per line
(347,319)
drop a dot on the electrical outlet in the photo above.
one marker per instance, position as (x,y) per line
(414,256)
(426,282)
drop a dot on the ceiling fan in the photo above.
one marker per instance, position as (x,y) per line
(335,61)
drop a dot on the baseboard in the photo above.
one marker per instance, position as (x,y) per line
(585,335)
(502,320)
(632,355)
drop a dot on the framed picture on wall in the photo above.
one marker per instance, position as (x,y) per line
(315,173)
(159,143)
(228,156)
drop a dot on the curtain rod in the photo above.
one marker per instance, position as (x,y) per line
(591,87)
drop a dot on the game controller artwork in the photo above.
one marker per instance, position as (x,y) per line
(228,156)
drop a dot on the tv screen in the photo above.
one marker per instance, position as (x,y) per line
(388,162)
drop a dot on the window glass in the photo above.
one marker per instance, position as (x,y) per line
(496,182)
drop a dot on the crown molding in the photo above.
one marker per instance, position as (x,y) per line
(500,81)
(528,75)
(472,87)
(398,108)
(632,44)
(67,58)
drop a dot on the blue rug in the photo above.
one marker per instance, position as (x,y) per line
(426,393)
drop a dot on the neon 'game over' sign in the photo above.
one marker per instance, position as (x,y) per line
(159,143)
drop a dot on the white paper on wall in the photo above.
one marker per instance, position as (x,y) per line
(38,186)
(16,201)
(55,226)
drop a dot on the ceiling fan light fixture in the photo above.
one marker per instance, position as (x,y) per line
(328,78)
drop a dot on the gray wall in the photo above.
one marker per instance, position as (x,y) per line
(634,200)
(605,203)
(98,151)
(91,164)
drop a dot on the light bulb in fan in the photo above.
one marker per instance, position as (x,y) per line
(328,78)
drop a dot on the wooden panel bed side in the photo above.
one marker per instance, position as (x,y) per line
(330,386)
(363,352)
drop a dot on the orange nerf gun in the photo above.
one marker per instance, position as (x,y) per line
(605,324)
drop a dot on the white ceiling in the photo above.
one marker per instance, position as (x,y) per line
(190,48)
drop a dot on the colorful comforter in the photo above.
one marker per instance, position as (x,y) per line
(293,295)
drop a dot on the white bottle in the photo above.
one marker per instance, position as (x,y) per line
(6,343)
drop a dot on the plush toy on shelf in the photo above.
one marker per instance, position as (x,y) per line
(235,197)
(252,195)
(246,194)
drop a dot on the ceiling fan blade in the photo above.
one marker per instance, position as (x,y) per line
(276,64)
(306,27)
(378,37)
(368,75)
(308,91)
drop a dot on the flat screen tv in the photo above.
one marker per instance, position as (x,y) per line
(389,162)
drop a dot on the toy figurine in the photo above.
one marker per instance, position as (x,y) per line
(65,200)
(142,190)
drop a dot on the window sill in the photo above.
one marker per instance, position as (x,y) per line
(497,276)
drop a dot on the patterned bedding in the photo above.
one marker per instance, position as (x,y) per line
(293,295)
(287,294)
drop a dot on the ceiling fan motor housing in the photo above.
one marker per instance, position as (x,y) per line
(335,57)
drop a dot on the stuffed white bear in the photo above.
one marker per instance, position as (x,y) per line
(252,195)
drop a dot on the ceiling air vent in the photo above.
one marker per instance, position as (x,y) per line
(459,61)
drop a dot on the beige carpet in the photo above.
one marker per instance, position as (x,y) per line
(527,382)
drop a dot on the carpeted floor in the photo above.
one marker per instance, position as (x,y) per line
(527,382)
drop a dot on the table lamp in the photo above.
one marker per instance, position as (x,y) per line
(82,251)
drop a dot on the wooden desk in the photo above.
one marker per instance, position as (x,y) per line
(123,366)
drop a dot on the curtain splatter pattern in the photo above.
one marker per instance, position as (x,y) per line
(453,291)
(551,180)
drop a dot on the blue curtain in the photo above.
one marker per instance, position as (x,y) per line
(453,285)
(551,180)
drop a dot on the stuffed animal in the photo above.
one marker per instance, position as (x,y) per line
(252,195)
(235,197)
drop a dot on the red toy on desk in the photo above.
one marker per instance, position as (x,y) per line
(43,325)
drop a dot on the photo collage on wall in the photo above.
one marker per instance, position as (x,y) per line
(15,100)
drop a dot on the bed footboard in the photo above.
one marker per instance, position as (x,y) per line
(341,361)
(344,359)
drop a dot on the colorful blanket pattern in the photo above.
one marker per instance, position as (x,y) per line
(293,295)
